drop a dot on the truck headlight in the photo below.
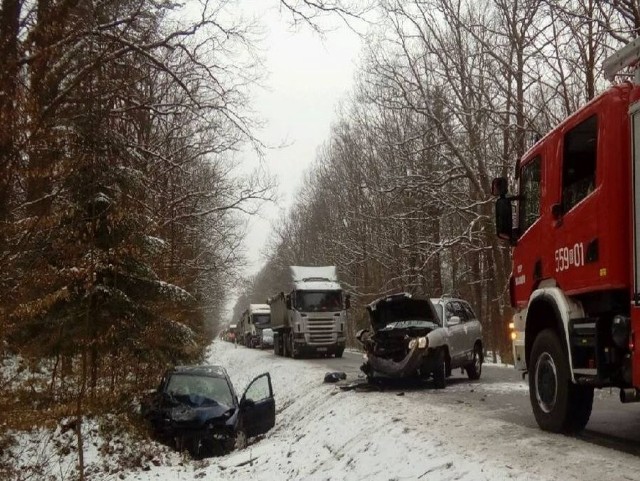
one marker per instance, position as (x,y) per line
(412,343)
(423,342)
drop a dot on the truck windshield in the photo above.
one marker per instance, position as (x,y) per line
(319,301)
(261,320)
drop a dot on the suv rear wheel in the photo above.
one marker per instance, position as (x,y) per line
(474,368)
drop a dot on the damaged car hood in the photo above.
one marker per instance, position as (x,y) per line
(199,416)
(402,311)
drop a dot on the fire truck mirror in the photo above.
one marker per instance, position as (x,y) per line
(499,186)
(504,220)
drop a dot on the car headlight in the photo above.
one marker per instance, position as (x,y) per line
(423,342)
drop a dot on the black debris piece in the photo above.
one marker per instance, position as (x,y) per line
(334,376)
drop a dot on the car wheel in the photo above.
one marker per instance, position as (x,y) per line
(558,405)
(440,371)
(474,369)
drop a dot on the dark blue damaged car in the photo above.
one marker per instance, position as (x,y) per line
(195,408)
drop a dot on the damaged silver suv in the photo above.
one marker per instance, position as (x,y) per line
(426,338)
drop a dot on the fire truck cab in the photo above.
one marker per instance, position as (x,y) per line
(575,282)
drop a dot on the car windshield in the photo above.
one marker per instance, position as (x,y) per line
(411,323)
(261,319)
(319,300)
(195,389)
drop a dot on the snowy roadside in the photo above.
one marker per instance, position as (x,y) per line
(323,433)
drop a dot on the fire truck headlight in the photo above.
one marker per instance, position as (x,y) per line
(620,329)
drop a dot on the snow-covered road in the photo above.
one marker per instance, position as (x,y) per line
(323,433)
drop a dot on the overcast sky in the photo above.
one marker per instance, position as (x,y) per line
(308,76)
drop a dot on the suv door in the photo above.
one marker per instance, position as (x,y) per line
(257,407)
(456,332)
(473,328)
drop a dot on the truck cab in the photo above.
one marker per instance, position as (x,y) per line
(312,317)
(254,319)
(574,284)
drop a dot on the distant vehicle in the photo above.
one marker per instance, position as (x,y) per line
(311,318)
(267,338)
(195,408)
(419,338)
(254,319)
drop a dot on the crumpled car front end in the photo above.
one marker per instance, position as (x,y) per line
(199,429)
(398,344)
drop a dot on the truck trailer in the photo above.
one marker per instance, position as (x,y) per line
(575,281)
(311,316)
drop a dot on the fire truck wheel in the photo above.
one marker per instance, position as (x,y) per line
(558,405)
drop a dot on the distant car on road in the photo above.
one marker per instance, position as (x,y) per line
(426,338)
(195,408)
(267,338)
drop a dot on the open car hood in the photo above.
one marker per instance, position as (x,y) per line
(398,307)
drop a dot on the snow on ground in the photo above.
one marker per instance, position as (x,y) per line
(323,433)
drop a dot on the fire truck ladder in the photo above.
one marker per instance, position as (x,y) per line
(627,56)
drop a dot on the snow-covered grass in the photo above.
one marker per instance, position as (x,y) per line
(324,433)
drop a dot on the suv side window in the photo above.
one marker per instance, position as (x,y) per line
(449,311)
(529,203)
(464,315)
(459,311)
(579,163)
(470,314)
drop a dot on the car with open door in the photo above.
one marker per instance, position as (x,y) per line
(195,408)
(408,338)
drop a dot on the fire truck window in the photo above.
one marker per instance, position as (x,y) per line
(529,204)
(579,163)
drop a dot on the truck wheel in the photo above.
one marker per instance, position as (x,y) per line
(294,354)
(559,405)
(339,352)
(440,371)
(276,344)
(474,369)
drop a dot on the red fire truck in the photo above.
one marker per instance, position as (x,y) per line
(575,283)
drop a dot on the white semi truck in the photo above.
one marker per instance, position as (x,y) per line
(254,319)
(311,318)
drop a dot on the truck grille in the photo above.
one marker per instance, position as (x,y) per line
(321,331)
